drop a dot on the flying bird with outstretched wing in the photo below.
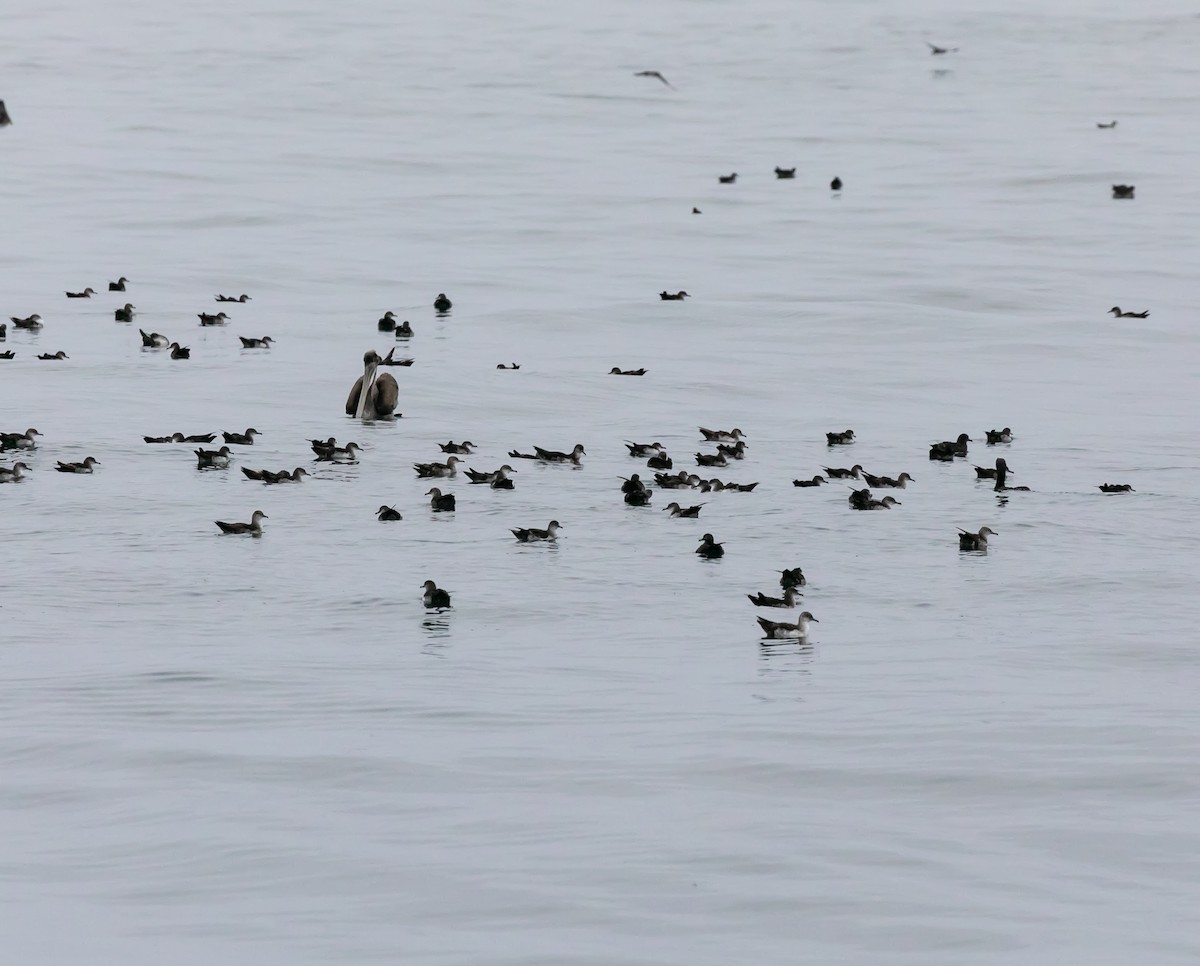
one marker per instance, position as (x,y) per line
(654,73)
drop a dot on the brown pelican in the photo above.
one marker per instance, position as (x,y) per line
(381,393)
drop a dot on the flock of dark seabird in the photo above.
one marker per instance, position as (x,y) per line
(375,395)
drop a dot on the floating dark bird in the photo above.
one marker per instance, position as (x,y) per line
(683,511)
(404,330)
(340,454)
(1122,190)
(948,449)
(935,49)
(533,535)
(8,355)
(792,578)
(655,74)
(124,313)
(180,351)
(639,497)
(1002,471)
(835,184)
(614,371)
(777,630)
(382,391)
(721,435)
(1110,124)
(985,473)
(232,298)
(709,549)
(840,439)
(154,340)
(87,293)
(433,597)
(789,599)
(815,481)
(736,451)
(440,501)
(785,173)
(551,456)
(242,439)
(13,474)
(727,178)
(212,458)
(5,120)
(429,470)
(173,438)
(1116,311)
(118,285)
(263,343)
(673,297)
(1116,488)
(53,357)
(715,459)
(388,322)
(888,482)
(442,304)
(23,440)
(283,476)
(501,365)
(84,467)
(974,541)
(659,461)
(840,473)
(464,448)
(253,528)
(641,450)
(32,322)
(388,514)
(995,436)
(696,211)
(207,318)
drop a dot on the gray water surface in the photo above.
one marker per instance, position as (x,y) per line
(230,750)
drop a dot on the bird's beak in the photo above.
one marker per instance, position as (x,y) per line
(814,620)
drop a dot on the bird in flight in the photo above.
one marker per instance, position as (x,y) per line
(934,49)
(654,73)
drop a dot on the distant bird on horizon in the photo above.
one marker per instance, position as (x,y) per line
(935,49)
(1108,125)
(656,74)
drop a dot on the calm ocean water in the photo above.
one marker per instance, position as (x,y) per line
(259,751)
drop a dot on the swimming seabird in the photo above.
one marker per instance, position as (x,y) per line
(533,535)
(283,476)
(706,459)
(439,500)
(642,450)
(777,630)
(501,365)
(382,391)
(233,298)
(388,322)
(950,449)
(835,184)
(254,527)
(404,330)
(840,473)
(53,356)
(1116,488)
(840,439)
(263,343)
(173,438)
(792,578)
(655,74)
(323,447)
(739,487)
(887,482)
(502,482)
(1116,310)
(974,541)
(736,451)
(789,599)
(1110,124)
(180,351)
(1002,471)
(389,359)
(442,304)
(388,514)
(934,49)
(683,511)
(639,497)
(207,318)
(12,474)
(8,355)
(87,293)
(721,435)
(985,473)
(5,120)
(212,458)
(815,481)
(995,436)
(200,438)
(1122,190)
(476,476)
(23,440)
(727,178)
(154,340)
(340,454)
(125,313)
(681,482)
(616,371)
(242,439)
(659,461)
(554,456)
(696,211)
(427,470)
(118,285)
(679,296)
(3,331)
(464,448)
(784,173)
(30,322)
(860,499)
(433,596)
(84,467)
(885,504)
(709,549)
